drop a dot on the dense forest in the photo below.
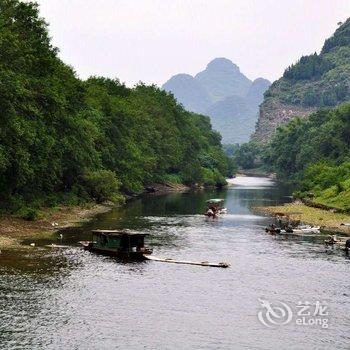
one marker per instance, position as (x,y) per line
(67,140)
(315,152)
(311,68)
(308,67)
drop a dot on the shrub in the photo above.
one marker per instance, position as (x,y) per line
(103,185)
(30,214)
(172,178)
(213,178)
(208,177)
(192,173)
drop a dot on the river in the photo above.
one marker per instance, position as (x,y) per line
(71,299)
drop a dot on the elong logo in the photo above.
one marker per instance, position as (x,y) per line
(279,313)
(274,314)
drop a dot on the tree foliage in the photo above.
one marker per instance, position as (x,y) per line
(323,136)
(340,38)
(315,152)
(308,67)
(61,135)
(248,154)
(317,80)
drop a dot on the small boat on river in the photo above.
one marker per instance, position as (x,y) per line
(130,245)
(303,230)
(122,244)
(300,230)
(215,207)
(272,229)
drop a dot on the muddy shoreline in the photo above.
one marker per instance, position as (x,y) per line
(14,230)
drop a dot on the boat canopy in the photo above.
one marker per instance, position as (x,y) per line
(215,201)
(119,233)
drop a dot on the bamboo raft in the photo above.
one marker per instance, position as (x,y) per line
(301,235)
(201,263)
(56,246)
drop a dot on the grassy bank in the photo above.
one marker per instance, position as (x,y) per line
(331,221)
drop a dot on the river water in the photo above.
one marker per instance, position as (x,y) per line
(71,299)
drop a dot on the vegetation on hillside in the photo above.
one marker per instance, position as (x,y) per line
(322,137)
(315,152)
(312,152)
(308,67)
(64,139)
(318,80)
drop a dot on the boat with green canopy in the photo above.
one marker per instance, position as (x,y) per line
(215,201)
(122,244)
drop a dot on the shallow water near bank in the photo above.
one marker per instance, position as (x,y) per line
(71,299)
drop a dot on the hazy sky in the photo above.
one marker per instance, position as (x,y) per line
(151,40)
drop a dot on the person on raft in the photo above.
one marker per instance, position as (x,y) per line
(332,240)
(212,212)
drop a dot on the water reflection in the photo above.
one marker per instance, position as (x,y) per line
(68,298)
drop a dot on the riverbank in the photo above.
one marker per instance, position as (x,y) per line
(13,230)
(331,222)
(164,188)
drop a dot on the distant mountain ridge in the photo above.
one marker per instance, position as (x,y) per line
(233,118)
(315,81)
(225,94)
(222,78)
(189,92)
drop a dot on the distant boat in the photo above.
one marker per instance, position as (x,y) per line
(215,201)
(296,231)
(306,229)
(122,244)
(216,206)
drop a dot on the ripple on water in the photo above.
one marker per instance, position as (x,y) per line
(72,299)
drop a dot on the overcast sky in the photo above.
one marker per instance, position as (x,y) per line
(151,40)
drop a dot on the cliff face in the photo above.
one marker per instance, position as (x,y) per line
(223,93)
(273,113)
(315,81)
